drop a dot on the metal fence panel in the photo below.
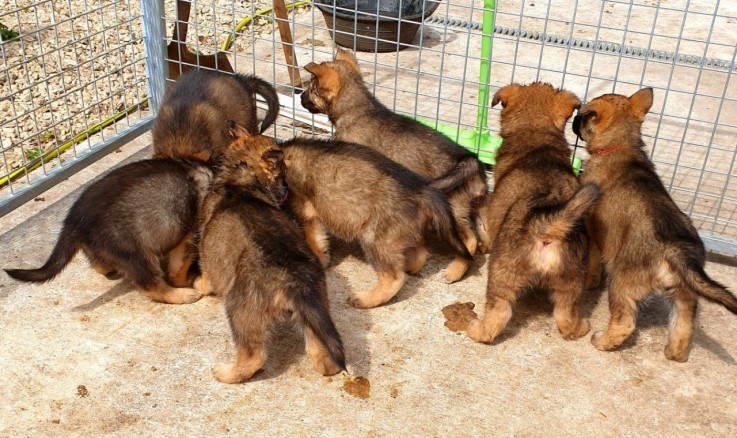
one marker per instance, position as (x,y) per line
(72,88)
(684,49)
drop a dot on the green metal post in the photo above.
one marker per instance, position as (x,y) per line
(487,32)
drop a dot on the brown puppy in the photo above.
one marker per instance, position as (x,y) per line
(192,122)
(255,253)
(646,242)
(337,89)
(128,221)
(359,194)
(534,219)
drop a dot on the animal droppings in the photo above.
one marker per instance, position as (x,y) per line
(458,316)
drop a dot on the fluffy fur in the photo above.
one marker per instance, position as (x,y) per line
(358,194)
(646,241)
(128,221)
(337,89)
(192,122)
(534,216)
(255,253)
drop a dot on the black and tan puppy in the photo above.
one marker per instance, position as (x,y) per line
(192,122)
(127,222)
(534,217)
(255,253)
(337,89)
(647,243)
(359,194)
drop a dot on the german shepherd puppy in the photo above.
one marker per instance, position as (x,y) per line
(337,89)
(534,218)
(255,253)
(359,194)
(645,240)
(130,219)
(193,118)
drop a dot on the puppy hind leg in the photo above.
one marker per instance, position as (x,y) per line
(203,285)
(462,222)
(316,234)
(388,286)
(623,317)
(250,358)
(249,333)
(417,259)
(180,259)
(497,314)
(566,314)
(319,355)
(387,257)
(109,273)
(680,331)
(593,275)
(147,274)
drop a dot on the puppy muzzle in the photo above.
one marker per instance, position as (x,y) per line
(577,126)
(307,103)
(282,195)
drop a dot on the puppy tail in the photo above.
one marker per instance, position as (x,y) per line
(255,85)
(314,315)
(468,167)
(438,210)
(695,278)
(562,222)
(66,247)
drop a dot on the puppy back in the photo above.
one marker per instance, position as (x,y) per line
(192,119)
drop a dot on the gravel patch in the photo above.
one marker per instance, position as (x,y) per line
(77,63)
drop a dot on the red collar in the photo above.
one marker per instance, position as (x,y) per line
(609,149)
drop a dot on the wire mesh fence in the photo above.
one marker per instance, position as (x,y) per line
(686,50)
(72,79)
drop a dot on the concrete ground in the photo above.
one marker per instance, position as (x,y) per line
(85,356)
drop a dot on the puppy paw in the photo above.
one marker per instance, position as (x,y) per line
(227,373)
(327,368)
(599,340)
(362,301)
(455,271)
(184,295)
(580,330)
(677,356)
(475,331)
(174,295)
(203,286)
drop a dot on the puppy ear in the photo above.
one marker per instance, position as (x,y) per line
(581,122)
(273,156)
(563,106)
(641,102)
(327,78)
(202,156)
(504,94)
(348,57)
(313,68)
(235,130)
